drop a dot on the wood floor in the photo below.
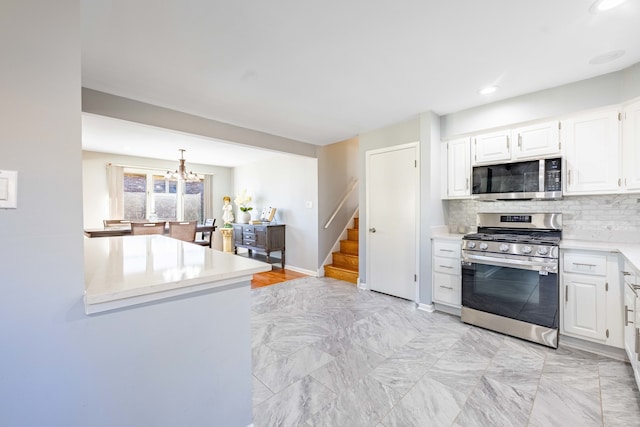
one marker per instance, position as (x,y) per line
(276,275)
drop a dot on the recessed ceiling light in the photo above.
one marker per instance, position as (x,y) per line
(602,5)
(488,90)
(606,57)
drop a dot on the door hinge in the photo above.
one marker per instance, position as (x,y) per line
(415,163)
(415,277)
(619,117)
(607,333)
(606,287)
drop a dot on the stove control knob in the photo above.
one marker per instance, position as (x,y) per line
(526,250)
(504,247)
(542,250)
(471,245)
(484,246)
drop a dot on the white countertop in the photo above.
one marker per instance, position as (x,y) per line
(129,270)
(631,251)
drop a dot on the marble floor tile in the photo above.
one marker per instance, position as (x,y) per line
(496,404)
(346,370)
(428,403)
(293,405)
(556,404)
(292,368)
(260,392)
(328,354)
(363,404)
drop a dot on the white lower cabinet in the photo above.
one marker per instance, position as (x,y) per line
(447,278)
(591,297)
(632,317)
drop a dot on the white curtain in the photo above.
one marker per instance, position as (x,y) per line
(115,181)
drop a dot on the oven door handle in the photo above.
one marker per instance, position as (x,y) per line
(551,267)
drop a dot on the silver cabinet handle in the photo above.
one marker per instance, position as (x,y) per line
(446,250)
(467,184)
(566,293)
(626,315)
(446,266)
(446,287)
(586,265)
(372,229)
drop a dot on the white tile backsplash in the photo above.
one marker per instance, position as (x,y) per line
(611,218)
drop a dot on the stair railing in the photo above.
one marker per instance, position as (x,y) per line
(354,183)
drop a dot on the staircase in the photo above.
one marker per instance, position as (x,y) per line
(345,262)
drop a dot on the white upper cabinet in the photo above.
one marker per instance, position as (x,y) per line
(492,147)
(592,147)
(631,146)
(459,168)
(539,140)
(526,142)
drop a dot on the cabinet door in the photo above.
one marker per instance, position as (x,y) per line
(447,289)
(631,146)
(492,147)
(538,140)
(585,306)
(592,153)
(261,237)
(237,234)
(459,167)
(630,326)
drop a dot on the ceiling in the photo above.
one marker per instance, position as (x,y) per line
(325,71)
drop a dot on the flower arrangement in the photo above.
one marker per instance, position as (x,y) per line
(242,200)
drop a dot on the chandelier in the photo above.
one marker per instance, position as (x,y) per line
(181,173)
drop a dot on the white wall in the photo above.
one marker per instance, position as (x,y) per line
(287,183)
(96,191)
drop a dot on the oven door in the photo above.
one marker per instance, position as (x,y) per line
(523,291)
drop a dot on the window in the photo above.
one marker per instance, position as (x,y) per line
(148,194)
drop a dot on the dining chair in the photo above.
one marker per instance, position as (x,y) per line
(183,230)
(207,236)
(139,228)
(116,223)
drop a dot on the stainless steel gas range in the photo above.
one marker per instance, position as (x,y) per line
(510,275)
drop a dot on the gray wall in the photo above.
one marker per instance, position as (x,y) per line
(425,129)
(337,172)
(117,107)
(287,183)
(51,351)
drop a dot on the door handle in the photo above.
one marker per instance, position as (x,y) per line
(372,229)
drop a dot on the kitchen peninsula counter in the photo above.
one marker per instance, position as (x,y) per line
(129,270)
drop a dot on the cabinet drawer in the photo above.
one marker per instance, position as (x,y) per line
(591,264)
(446,249)
(630,274)
(446,288)
(250,236)
(446,265)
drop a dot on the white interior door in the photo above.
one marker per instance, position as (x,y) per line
(392,209)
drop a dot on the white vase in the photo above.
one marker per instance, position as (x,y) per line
(246,217)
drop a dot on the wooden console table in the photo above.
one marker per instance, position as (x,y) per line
(260,238)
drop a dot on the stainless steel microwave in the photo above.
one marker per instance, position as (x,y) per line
(532,179)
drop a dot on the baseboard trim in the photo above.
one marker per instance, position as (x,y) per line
(429,308)
(302,270)
(361,285)
(592,347)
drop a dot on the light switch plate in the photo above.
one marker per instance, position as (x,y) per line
(8,189)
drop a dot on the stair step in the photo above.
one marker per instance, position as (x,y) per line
(345,260)
(341,273)
(349,247)
(356,223)
(352,234)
